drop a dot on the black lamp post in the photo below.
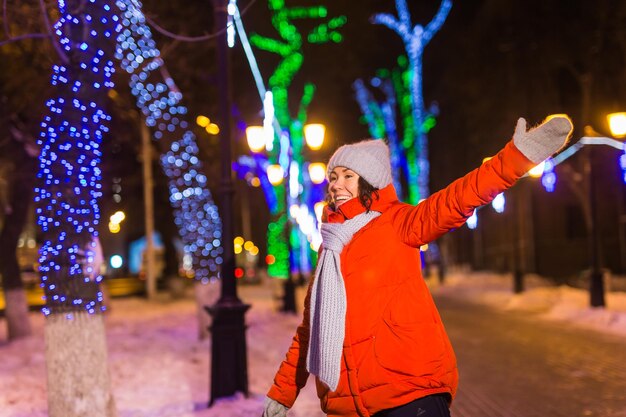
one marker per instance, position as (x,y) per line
(596,285)
(229,367)
(515,212)
(617,126)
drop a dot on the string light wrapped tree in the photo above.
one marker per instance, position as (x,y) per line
(195,214)
(67,208)
(410,152)
(287,147)
(392,118)
(415,39)
(159,100)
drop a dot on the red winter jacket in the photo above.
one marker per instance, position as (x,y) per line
(396,349)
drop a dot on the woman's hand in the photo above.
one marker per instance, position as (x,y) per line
(274,409)
(541,142)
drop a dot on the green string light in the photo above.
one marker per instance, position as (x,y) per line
(400,78)
(288,47)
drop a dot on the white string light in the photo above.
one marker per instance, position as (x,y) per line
(230,27)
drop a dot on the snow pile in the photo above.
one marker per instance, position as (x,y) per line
(551,302)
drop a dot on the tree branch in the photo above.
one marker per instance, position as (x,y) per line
(4,19)
(387,20)
(403,30)
(44,13)
(27,36)
(270,45)
(184,38)
(403,12)
(168,78)
(437,21)
(305,101)
(169,48)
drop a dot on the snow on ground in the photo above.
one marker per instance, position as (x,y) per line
(549,301)
(160,367)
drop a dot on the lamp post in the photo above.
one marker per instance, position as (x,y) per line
(596,284)
(257,139)
(314,135)
(515,216)
(617,126)
(229,368)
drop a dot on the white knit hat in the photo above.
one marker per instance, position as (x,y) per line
(368,158)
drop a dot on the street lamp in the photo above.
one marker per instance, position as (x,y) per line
(596,284)
(275,174)
(617,127)
(256,138)
(617,124)
(317,172)
(298,195)
(314,135)
(304,218)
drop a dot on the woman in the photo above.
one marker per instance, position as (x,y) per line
(371,333)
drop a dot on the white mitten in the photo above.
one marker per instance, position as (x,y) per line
(274,409)
(541,142)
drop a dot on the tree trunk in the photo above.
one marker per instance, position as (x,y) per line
(16,313)
(82,389)
(67,195)
(16,310)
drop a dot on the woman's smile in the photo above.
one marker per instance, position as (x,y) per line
(343,185)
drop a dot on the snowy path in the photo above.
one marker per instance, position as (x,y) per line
(513,364)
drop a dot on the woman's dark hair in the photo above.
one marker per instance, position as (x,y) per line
(367,192)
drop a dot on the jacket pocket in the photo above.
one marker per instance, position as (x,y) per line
(414,349)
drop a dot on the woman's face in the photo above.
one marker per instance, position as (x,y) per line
(343,184)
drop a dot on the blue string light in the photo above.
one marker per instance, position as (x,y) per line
(472,221)
(230,26)
(371,111)
(196,215)
(381,118)
(69,177)
(548,178)
(622,164)
(256,166)
(498,203)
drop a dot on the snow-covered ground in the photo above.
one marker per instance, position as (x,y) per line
(551,302)
(160,367)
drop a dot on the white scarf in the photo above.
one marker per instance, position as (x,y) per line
(328,301)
